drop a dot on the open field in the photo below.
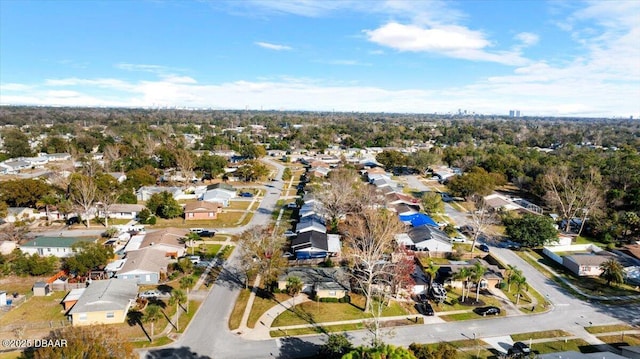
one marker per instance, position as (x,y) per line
(37,310)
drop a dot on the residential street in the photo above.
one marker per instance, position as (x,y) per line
(208,336)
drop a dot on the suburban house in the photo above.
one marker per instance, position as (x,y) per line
(14,166)
(169,240)
(54,246)
(104,302)
(498,202)
(321,282)
(586,264)
(143,266)
(53,157)
(20,214)
(312,225)
(491,278)
(313,244)
(125,211)
(404,209)
(425,238)
(202,210)
(219,192)
(145,192)
(400,198)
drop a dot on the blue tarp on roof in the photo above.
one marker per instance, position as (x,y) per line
(418,219)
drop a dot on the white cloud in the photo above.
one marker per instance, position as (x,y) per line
(452,41)
(537,89)
(271,46)
(527,38)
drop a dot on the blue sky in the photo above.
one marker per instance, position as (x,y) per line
(558,58)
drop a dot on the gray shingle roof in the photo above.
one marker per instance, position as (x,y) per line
(103,295)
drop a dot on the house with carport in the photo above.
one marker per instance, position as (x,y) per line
(321,282)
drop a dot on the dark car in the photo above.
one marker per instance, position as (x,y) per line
(73,220)
(484,311)
(207,234)
(484,248)
(246,194)
(422,297)
(519,349)
(514,246)
(425,308)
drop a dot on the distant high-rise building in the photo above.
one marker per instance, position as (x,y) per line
(517,113)
(511,113)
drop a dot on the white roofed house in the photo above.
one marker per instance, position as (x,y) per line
(124,211)
(15,166)
(425,238)
(143,266)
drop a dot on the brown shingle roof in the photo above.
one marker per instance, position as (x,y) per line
(202,206)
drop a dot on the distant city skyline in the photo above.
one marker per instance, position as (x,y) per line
(532,58)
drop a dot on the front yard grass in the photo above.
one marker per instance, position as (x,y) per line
(540,335)
(318,312)
(608,328)
(185,318)
(577,345)
(340,328)
(620,340)
(262,303)
(241,205)
(225,219)
(156,343)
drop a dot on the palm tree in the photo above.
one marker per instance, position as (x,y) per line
(463,275)
(432,272)
(521,283)
(294,286)
(177,297)
(187,282)
(152,313)
(612,271)
(477,274)
(512,273)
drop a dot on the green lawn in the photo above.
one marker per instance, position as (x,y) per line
(315,312)
(164,340)
(15,284)
(578,345)
(262,304)
(185,318)
(242,205)
(37,309)
(455,293)
(608,328)
(540,335)
(621,340)
(339,328)
(207,250)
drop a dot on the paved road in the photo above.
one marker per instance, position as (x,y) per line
(208,336)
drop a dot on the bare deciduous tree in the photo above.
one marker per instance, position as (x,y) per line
(111,155)
(337,195)
(185,163)
(571,195)
(369,244)
(83,194)
(481,219)
(107,199)
(261,252)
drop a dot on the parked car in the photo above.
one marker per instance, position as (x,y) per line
(427,309)
(519,349)
(197,230)
(514,246)
(483,247)
(290,233)
(292,205)
(484,311)
(207,233)
(422,297)
(458,239)
(149,294)
(246,194)
(467,229)
(194,259)
(73,220)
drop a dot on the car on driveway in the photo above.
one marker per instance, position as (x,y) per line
(483,247)
(514,246)
(425,308)
(422,297)
(484,311)
(149,294)
(519,349)
(206,233)
(73,220)
(246,194)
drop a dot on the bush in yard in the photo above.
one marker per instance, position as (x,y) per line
(454,301)
(152,220)
(345,299)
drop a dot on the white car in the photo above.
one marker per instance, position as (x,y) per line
(458,239)
(149,294)
(290,234)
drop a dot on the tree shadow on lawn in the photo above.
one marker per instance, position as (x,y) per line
(134,317)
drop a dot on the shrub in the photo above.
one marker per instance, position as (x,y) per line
(454,301)
(329,300)
(152,220)
(345,299)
